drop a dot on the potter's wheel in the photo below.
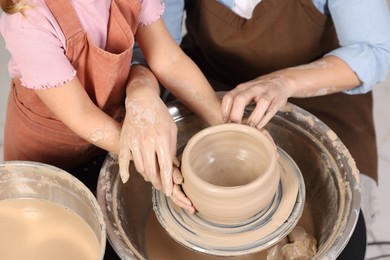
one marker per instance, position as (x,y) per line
(330,174)
(259,232)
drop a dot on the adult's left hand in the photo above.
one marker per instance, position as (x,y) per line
(178,196)
(269,92)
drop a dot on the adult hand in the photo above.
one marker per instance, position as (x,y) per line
(148,137)
(178,197)
(269,92)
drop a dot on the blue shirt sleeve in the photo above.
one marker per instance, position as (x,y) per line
(363,30)
(173,18)
(228,3)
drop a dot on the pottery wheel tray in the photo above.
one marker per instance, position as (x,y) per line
(259,232)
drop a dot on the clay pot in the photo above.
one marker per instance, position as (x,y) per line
(230,171)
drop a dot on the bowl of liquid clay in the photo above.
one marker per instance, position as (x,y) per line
(46,213)
(230,171)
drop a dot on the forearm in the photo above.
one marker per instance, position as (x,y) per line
(141,79)
(187,83)
(98,128)
(271,91)
(71,104)
(178,73)
(325,76)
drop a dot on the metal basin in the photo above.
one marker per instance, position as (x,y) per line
(330,175)
(23,179)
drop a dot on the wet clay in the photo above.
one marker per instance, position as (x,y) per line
(256,234)
(160,246)
(230,172)
(37,229)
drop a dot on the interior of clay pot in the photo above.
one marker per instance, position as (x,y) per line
(32,180)
(228,157)
(231,173)
(329,172)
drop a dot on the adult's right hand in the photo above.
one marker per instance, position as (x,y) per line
(269,92)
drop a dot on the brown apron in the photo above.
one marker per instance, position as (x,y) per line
(32,132)
(282,33)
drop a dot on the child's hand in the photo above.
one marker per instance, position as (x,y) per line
(148,137)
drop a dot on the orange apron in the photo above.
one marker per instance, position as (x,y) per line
(282,33)
(32,132)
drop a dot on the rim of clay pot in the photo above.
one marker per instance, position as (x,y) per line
(224,191)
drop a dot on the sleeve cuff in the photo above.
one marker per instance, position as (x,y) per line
(366,63)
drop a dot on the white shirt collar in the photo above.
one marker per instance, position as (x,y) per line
(243,8)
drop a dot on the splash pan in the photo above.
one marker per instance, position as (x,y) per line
(329,172)
(259,232)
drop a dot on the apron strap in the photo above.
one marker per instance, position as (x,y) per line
(66,16)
